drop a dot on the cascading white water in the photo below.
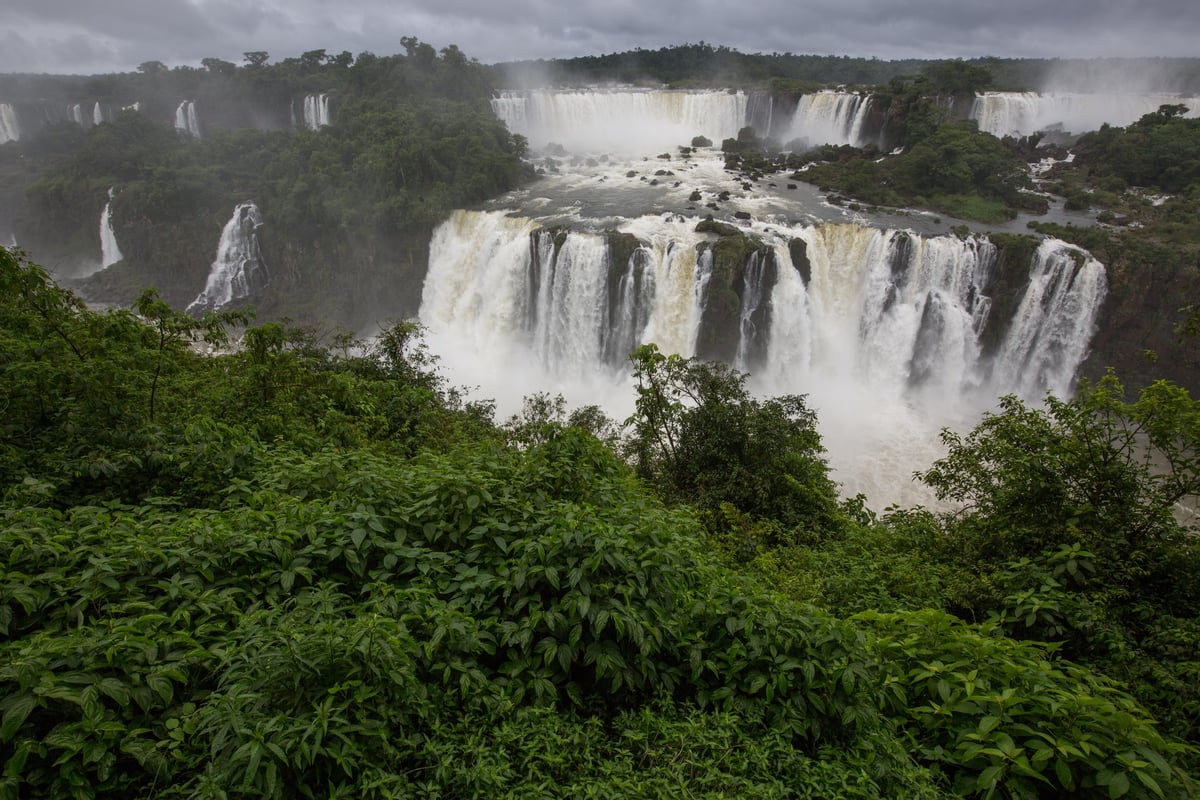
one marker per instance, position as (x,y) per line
(830,118)
(755,313)
(110,253)
(885,335)
(564,307)
(186,120)
(10,128)
(760,112)
(884,309)
(621,120)
(75,113)
(1024,113)
(97,114)
(239,268)
(1052,326)
(316,111)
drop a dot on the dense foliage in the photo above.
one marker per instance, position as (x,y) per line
(706,64)
(1161,151)
(291,571)
(412,137)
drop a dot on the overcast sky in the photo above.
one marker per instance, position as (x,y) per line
(91,36)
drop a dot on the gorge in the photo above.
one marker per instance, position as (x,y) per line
(894,322)
(891,332)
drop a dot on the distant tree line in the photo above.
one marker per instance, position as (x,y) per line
(707,64)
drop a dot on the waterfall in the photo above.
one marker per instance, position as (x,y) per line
(754,317)
(97,114)
(507,285)
(621,120)
(1024,113)
(75,114)
(1051,328)
(238,269)
(185,118)
(630,305)
(900,313)
(829,118)
(890,310)
(110,253)
(891,334)
(10,129)
(316,111)
(760,112)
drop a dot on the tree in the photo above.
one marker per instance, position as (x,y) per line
(958,77)
(423,54)
(174,329)
(1094,469)
(256,58)
(313,58)
(218,66)
(700,438)
(152,67)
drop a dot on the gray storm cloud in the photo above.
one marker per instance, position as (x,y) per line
(83,36)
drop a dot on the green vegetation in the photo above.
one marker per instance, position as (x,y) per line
(412,138)
(1144,186)
(284,570)
(703,64)
(946,166)
(299,569)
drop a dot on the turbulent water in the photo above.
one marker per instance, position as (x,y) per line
(110,252)
(621,120)
(1023,113)
(238,269)
(891,330)
(886,333)
(186,120)
(316,111)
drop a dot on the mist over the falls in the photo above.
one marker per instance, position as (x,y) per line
(891,332)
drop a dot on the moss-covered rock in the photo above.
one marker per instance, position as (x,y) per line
(710,225)
(720,321)
(1010,274)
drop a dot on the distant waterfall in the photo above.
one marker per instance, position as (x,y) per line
(621,120)
(10,129)
(316,111)
(239,268)
(185,118)
(830,118)
(892,310)
(1024,113)
(97,114)
(75,114)
(110,253)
